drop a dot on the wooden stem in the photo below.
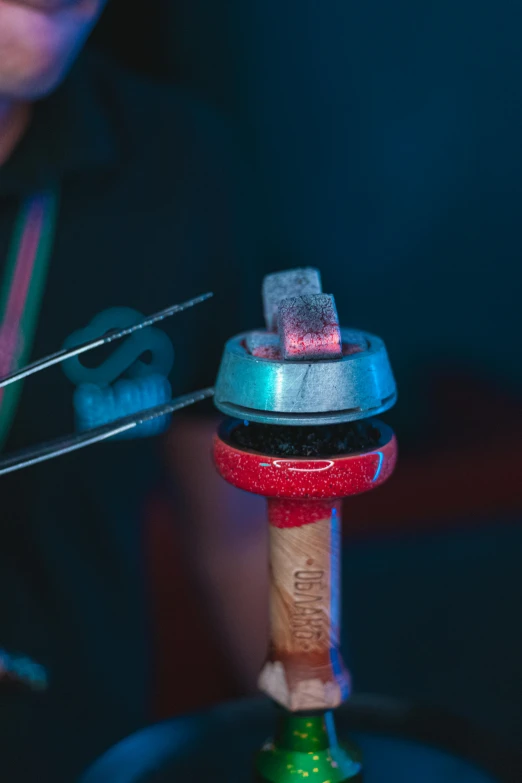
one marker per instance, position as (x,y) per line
(304,670)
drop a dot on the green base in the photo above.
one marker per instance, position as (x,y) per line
(306,749)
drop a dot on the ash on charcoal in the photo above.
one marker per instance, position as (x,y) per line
(281,285)
(325,441)
(309,327)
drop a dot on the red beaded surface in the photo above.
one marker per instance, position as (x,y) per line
(302,478)
(288,512)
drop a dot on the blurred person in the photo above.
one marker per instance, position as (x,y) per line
(130,194)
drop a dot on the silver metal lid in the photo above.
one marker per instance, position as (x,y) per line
(274,391)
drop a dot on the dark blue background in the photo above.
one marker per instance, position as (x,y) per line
(386,141)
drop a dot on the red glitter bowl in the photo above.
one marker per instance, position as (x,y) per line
(302,477)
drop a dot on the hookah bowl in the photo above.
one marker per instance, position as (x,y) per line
(309,374)
(304,671)
(306,375)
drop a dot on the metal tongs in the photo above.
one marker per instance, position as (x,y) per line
(57,447)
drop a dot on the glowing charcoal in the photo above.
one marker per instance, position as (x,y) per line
(309,328)
(353,342)
(350,348)
(264,345)
(282,285)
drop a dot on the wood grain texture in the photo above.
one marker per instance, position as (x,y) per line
(304,670)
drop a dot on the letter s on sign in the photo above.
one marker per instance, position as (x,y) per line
(125,360)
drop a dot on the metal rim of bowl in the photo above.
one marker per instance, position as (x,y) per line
(273,391)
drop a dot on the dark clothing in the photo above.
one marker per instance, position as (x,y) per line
(153,211)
